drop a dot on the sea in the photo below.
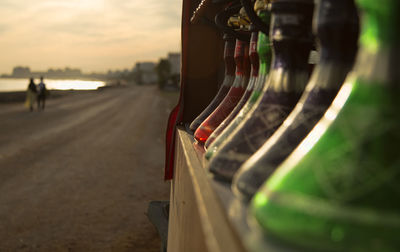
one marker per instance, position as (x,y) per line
(13,85)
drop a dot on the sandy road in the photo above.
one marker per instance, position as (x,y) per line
(79,176)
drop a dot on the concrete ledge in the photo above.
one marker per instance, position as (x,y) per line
(204,213)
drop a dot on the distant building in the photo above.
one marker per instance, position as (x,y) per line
(146,66)
(61,73)
(175,62)
(19,72)
(67,73)
(146,71)
(72,72)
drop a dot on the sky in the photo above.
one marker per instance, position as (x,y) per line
(93,35)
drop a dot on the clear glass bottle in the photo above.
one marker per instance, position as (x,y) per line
(229,77)
(337,30)
(292,41)
(339,190)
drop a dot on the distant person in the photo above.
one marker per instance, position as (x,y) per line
(30,94)
(41,98)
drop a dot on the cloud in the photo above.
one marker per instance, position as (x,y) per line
(80,30)
(3,28)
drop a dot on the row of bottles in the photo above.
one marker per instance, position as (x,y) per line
(313,156)
(338,44)
(251,85)
(340,185)
(292,42)
(264,55)
(204,128)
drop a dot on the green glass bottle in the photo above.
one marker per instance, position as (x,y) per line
(339,189)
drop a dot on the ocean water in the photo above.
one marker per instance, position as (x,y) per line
(11,85)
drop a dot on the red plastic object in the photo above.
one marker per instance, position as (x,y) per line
(175,116)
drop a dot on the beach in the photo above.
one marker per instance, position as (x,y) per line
(20,96)
(79,175)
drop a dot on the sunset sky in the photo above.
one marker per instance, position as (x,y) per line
(94,35)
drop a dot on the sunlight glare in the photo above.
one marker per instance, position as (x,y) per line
(75,84)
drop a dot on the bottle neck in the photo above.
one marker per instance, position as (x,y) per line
(263,45)
(292,42)
(229,57)
(380,24)
(291,38)
(337,30)
(242,58)
(291,56)
(378,57)
(253,55)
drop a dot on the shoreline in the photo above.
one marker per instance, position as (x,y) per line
(20,96)
(85,78)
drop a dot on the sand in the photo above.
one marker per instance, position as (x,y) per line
(79,175)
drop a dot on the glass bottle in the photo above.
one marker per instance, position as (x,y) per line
(232,98)
(337,32)
(339,190)
(229,77)
(264,55)
(254,61)
(292,41)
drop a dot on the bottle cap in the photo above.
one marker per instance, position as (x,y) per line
(293,1)
(261,5)
(244,19)
(234,22)
(240,21)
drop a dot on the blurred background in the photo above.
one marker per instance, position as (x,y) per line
(89,36)
(79,173)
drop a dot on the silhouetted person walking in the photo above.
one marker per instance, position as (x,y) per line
(30,94)
(41,98)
